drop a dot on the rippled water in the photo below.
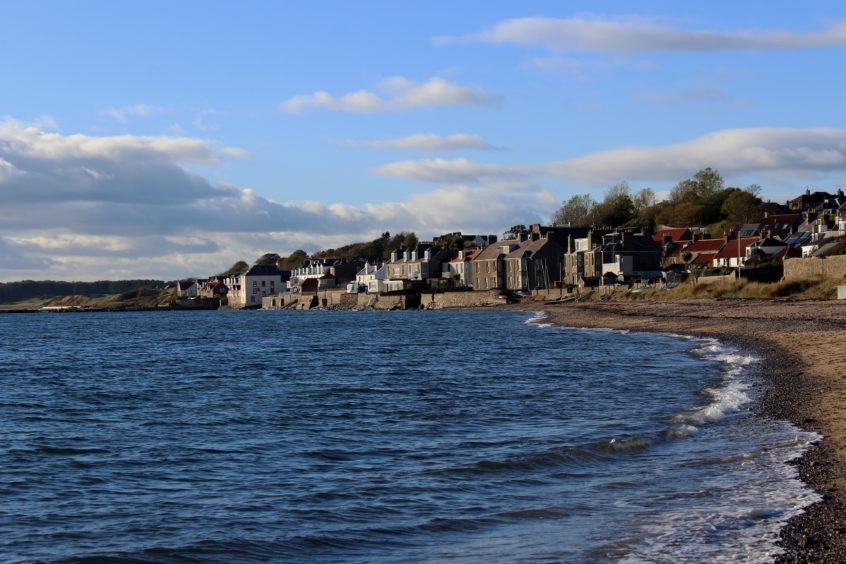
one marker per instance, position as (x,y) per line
(362,436)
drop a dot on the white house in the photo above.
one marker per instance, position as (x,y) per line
(369,278)
(247,289)
(459,268)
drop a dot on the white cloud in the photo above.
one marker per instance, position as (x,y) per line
(403,94)
(428,142)
(786,151)
(457,171)
(125,113)
(637,34)
(201,123)
(38,167)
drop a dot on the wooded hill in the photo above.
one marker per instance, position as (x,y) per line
(11,292)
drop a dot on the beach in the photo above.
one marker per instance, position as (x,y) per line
(800,346)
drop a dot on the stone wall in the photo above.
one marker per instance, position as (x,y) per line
(461,299)
(829,267)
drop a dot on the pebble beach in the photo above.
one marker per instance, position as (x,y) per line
(804,367)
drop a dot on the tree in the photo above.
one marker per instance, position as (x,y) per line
(293,260)
(698,188)
(617,208)
(268,258)
(741,207)
(577,211)
(643,200)
(237,268)
(410,240)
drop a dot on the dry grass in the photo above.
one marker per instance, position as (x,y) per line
(806,288)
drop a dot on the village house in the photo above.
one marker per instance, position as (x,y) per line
(627,257)
(583,259)
(417,265)
(187,289)
(779,226)
(488,268)
(459,269)
(701,253)
(214,288)
(670,242)
(245,290)
(733,254)
(369,279)
(534,264)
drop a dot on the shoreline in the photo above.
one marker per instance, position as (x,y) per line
(797,342)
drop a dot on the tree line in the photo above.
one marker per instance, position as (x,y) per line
(701,200)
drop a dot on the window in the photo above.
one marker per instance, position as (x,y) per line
(263,283)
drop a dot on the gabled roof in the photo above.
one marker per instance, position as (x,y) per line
(781,224)
(704,258)
(676,234)
(495,249)
(706,246)
(469,257)
(731,248)
(182,286)
(749,230)
(768,242)
(264,270)
(529,248)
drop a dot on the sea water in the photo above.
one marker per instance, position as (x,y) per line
(381,437)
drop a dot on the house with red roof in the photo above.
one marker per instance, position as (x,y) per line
(733,254)
(701,248)
(458,269)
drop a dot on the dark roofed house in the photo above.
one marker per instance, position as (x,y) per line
(246,290)
(534,264)
(780,226)
(749,230)
(675,234)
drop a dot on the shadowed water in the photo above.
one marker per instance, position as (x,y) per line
(353,436)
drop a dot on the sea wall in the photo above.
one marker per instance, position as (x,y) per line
(829,267)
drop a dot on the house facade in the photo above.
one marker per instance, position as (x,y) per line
(247,289)
(418,264)
(459,269)
(534,265)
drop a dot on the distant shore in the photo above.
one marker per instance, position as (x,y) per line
(804,365)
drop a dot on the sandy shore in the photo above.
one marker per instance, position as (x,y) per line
(801,343)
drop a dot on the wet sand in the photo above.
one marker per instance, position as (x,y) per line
(801,344)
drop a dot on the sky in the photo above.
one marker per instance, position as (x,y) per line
(170,139)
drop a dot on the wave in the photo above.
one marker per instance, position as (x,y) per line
(731,395)
(562,457)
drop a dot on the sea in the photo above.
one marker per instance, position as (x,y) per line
(341,436)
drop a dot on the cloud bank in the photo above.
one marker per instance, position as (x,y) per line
(428,142)
(637,34)
(786,151)
(83,208)
(402,95)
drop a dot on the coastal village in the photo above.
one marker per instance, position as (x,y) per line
(546,261)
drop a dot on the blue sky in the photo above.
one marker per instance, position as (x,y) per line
(171,139)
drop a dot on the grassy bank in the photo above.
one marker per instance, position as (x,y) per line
(139,298)
(808,288)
